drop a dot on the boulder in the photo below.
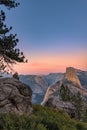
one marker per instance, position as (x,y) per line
(15,97)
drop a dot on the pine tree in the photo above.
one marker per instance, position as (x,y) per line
(85,113)
(15,75)
(65,93)
(76,100)
(9,54)
(78,103)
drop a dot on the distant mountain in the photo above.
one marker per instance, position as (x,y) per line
(40,83)
(73,84)
(71,75)
(82,75)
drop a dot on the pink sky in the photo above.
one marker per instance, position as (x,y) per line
(39,64)
(52,34)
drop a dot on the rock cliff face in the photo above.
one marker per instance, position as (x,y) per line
(72,76)
(15,97)
(39,84)
(71,81)
(66,106)
(39,80)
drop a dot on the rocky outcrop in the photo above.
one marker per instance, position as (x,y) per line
(66,106)
(15,97)
(49,93)
(71,75)
(70,81)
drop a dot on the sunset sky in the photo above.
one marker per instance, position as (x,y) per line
(52,34)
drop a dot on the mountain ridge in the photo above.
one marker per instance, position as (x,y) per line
(36,83)
(39,90)
(72,90)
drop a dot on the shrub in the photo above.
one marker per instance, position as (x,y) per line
(43,118)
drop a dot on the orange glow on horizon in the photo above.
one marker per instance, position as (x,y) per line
(52,63)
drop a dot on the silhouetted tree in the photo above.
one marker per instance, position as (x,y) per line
(15,75)
(9,54)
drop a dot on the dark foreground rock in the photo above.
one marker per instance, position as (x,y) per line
(15,97)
